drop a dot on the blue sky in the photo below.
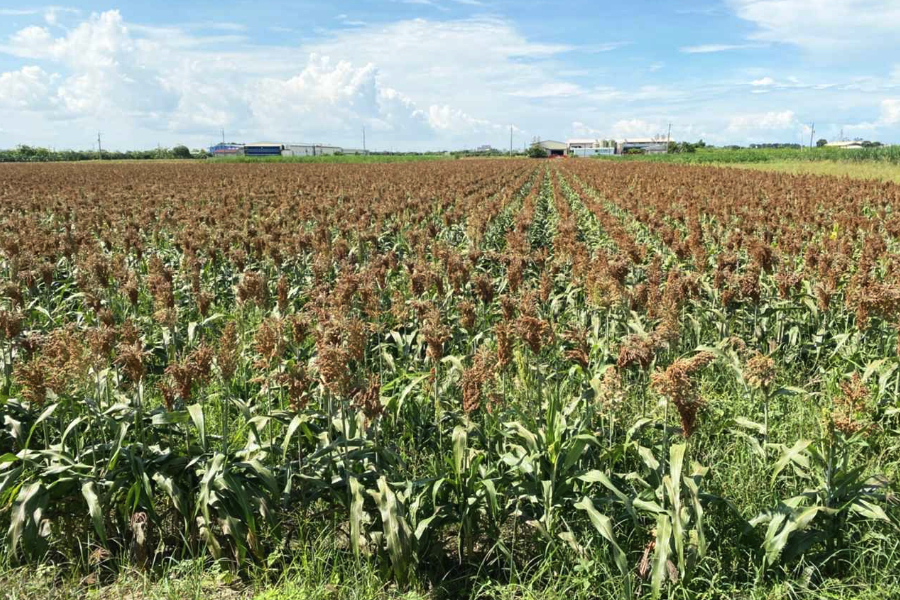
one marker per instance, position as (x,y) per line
(446,74)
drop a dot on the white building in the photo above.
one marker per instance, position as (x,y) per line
(646,145)
(309,150)
(845,145)
(582,143)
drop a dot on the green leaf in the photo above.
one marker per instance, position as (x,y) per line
(94,509)
(661,554)
(603,525)
(782,526)
(396,530)
(196,412)
(869,510)
(460,438)
(292,428)
(794,454)
(356,514)
(23,512)
(44,416)
(748,424)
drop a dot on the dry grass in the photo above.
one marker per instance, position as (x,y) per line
(871,170)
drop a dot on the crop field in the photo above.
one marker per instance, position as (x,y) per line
(445,379)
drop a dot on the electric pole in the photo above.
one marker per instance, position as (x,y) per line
(812,132)
(668,137)
(510,141)
(99,147)
(223,135)
(364,140)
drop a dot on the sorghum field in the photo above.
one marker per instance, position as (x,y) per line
(453,378)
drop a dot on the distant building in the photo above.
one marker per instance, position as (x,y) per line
(263,149)
(645,145)
(577,144)
(230,149)
(484,148)
(587,152)
(275,149)
(845,145)
(589,147)
(554,148)
(310,150)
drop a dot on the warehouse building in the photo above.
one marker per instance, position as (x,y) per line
(263,149)
(642,145)
(587,152)
(309,150)
(554,148)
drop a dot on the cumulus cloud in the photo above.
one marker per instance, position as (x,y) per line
(171,80)
(334,97)
(890,111)
(26,88)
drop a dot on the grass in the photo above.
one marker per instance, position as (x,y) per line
(886,154)
(855,170)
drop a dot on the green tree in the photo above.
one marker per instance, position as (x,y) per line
(537,151)
(181,151)
(821,142)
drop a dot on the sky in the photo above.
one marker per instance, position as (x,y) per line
(446,74)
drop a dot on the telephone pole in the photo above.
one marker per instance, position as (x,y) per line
(668,137)
(99,147)
(812,132)
(364,141)
(223,135)
(510,141)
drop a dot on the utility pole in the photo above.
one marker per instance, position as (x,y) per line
(842,134)
(812,132)
(223,135)
(668,137)
(510,141)
(364,141)
(99,147)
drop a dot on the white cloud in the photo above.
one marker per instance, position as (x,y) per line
(168,80)
(827,27)
(636,128)
(890,111)
(26,88)
(336,97)
(762,82)
(711,48)
(769,121)
(550,90)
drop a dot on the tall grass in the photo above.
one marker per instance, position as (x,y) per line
(889,154)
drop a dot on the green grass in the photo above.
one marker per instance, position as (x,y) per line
(888,154)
